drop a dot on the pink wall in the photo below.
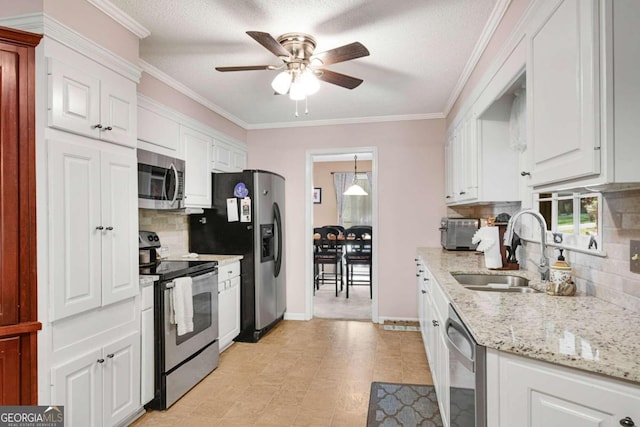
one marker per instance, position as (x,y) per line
(512,16)
(159,91)
(410,197)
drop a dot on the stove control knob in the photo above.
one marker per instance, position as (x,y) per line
(150,238)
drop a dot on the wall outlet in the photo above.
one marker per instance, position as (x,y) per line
(634,252)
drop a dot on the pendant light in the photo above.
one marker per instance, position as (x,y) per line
(355,189)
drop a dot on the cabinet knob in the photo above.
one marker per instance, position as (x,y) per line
(417,275)
(108,128)
(98,126)
(447,197)
(426,279)
(627,422)
(523,173)
(100,360)
(109,228)
(423,291)
(99,227)
(435,323)
(110,356)
(463,192)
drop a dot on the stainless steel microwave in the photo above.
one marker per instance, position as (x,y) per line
(160,181)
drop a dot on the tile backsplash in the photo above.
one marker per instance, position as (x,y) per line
(172,228)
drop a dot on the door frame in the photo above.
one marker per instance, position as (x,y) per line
(310,155)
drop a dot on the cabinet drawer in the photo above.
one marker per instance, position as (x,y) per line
(228,271)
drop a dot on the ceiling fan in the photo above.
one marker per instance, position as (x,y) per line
(301,68)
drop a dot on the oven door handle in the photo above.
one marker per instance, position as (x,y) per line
(170,284)
(467,362)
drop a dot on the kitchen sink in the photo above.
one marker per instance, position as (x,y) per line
(494,283)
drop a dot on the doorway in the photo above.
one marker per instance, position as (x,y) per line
(325,303)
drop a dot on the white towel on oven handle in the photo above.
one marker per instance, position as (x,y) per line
(181,305)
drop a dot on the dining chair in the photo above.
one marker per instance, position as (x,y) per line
(327,251)
(359,251)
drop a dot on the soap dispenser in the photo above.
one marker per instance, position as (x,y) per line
(560,278)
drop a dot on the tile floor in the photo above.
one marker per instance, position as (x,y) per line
(315,373)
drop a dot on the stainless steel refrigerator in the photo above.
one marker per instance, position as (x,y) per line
(247,218)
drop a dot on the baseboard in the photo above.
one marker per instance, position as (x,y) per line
(295,316)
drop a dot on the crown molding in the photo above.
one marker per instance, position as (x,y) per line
(173,83)
(121,17)
(55,30)
(496,16)
(348,121)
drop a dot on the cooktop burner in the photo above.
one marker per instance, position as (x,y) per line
(168,270)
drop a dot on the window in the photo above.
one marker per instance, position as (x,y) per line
(353,210)
(576,216)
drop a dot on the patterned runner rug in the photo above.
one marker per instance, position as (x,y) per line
(405,405)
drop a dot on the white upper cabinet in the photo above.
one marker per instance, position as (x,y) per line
(228,157)
(582,86)
(563,89)
(158,129)
(92,225)
(197,152)
(86,99)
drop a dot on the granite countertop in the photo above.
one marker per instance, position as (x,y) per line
(580,332)
(222,259)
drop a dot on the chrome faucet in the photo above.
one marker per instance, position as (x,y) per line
(543,267)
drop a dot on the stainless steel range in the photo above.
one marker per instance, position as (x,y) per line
(181,361)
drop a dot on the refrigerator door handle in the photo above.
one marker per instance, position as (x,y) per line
(278,221)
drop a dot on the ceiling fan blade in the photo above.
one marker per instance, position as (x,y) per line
(339,79)
(246,68)
(343,53)
(269,43)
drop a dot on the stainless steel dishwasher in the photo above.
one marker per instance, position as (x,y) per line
(467,375)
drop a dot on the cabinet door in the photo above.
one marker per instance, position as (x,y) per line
(222,157)
(563,92)
(121,379)
(78,386)
(74,99)
(235,296)
(239,160)
(9,188)
(225,316)
(74,238)
(10,371)
(535,394)
(197,149)
(118,111)
(147,357)
(119,201)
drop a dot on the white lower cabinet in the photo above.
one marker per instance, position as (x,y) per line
(147,353)
(433,306)
(529,393)
(228,303)
(101,387)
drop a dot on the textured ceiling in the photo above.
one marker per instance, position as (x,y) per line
(419,49)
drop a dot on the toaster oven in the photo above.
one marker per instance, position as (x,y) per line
(456,233)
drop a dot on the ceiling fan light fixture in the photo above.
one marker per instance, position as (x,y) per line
(296,92)
(282,82)
(309,82)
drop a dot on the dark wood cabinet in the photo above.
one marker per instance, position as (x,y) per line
(18,291)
